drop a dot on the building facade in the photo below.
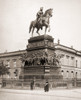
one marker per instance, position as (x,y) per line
(70,62)
(13,62)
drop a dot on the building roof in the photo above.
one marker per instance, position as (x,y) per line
(68,49)
(14,53)
(57,47)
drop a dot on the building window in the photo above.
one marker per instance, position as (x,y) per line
(16,73)
(80,64)
(67,74)
(14,63)
(62,59)
(8,74)
(72,61)
(72,58)
(67,60)
(76,75)
(76,63)
(8,64)
(62,55)
(67,56)
(72,74)
(62,72)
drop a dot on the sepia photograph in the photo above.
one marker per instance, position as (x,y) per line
(40,50)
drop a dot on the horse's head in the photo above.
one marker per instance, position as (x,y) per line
(49,12)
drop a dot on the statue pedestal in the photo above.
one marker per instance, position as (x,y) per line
(39,63)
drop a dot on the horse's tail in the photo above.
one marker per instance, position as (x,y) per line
(31,24)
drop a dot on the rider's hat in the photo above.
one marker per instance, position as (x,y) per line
(41,8)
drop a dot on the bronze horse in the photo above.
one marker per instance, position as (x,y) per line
(45,22)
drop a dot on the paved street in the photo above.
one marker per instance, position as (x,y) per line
(57,94)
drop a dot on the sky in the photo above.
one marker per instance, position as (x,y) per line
(16,16)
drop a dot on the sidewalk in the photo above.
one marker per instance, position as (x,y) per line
(65,93)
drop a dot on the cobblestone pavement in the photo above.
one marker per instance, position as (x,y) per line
(57,94)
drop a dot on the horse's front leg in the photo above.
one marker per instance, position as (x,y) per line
(46,26)
(49,28)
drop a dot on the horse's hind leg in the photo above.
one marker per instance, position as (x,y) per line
(45,29)
(37,32)
(32,31)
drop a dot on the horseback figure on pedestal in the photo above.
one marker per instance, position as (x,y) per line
(41,20)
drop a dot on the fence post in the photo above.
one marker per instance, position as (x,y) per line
(67,83)
(75,82)
(12,84)
(50,83)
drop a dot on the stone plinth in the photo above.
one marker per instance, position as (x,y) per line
(40,42)
(39,63)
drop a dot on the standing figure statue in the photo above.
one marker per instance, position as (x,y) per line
(41,21)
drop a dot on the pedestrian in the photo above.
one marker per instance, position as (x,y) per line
(46,87)
(32,85)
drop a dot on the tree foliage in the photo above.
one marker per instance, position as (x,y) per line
(3,68)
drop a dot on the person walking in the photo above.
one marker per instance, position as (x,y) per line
(32,85)
(46,87)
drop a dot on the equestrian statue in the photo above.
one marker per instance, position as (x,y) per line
(42,20)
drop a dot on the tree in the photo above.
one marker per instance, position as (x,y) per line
(3,69)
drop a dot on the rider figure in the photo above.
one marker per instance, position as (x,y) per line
(39,15)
